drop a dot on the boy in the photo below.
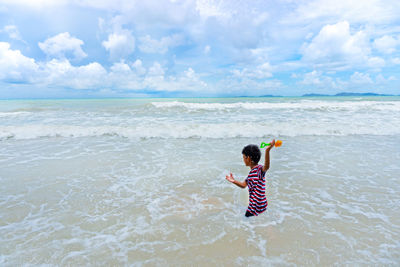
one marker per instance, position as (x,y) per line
(255,180)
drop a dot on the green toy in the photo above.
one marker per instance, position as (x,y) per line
(278,143)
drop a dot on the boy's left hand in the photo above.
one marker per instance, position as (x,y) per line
(230,178)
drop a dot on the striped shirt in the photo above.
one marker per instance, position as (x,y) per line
(256,183)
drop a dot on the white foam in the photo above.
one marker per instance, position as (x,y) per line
(180,130)
(302,105)
(13,114)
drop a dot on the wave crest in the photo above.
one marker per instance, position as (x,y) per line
(301,105)
(194,130)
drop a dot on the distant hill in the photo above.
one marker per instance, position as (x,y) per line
(360,94)
(270,96)
(346,94)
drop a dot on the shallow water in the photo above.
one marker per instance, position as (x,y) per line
(118,182)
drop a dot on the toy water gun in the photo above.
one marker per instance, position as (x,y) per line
(278,143)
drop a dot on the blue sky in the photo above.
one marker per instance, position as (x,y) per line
(126,48)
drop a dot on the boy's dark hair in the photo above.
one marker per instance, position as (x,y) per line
(253,152)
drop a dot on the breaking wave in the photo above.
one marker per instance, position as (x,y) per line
(194,130)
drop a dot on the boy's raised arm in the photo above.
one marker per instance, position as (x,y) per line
(266,164)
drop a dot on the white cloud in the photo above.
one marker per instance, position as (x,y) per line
(249,87)
(14,66)
(336,43)
(149,45)
(207,49)
(62,74)
(212,8)
(122,76)
(120,67)
(361,78)
(386,44)
(156,70)
(260,18)
(155,78)
(138,67)
(190,80)
(321,81)
(313,78)
(376,63)
(244,38)
(186,81)
(120,44)
(366,11)
(36,3)
(12,32)
(380,79)
(396,61)
(261,71)
(61,45)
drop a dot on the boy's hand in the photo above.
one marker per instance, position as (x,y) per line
(272,144)
(230,178)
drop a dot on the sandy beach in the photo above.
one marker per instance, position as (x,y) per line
(142,182)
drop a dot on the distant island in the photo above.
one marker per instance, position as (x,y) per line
(270,96)
(347,94)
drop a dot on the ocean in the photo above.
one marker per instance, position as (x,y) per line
(141,182)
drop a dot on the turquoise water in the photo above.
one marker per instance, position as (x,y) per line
(142,181)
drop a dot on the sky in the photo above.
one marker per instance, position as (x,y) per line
(196,48)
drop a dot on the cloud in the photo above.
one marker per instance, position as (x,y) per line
(191,81)
(156,70)
(138,67)
(187,81)
(121,76)
(248,87)
(120,67)
(380,79)
(149,45)
(207,49)
(320,81)
(367,11)
(61,45)
(376,63)
(61,73)
(35,4)
(177,45)
(125,76)
(361,78)
(120,44)
(396,60)
(259,72)
(210,8)
(336,43)
(12,32)
(15,67)
(386,44)
(155,78)
(312,78)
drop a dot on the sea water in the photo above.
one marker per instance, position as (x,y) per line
(142,182)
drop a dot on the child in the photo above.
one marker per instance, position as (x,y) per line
(255,180)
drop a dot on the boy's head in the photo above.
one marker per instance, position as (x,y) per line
(252,152)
